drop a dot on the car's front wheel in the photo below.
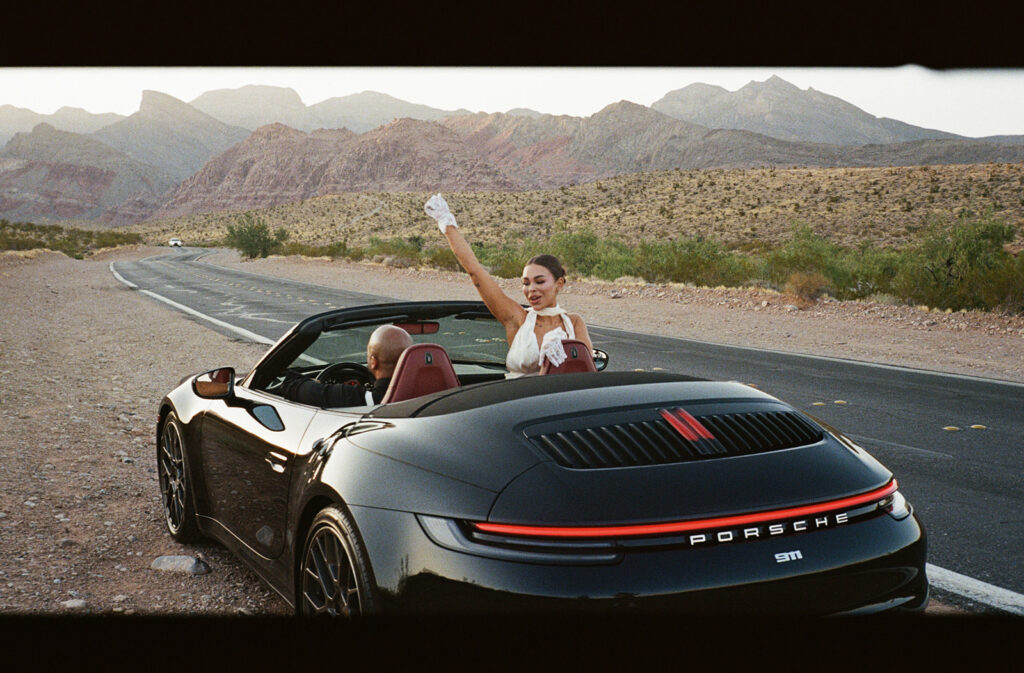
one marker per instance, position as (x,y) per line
(335,577)
(175,483)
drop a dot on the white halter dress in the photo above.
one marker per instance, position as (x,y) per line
(524,354)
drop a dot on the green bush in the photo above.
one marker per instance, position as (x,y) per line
(807,252)
(441,258)
(252,237)
(70,241)
(505,261)
(696,260)
(962,267)
(1003,288)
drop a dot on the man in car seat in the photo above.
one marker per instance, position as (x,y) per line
(382,352)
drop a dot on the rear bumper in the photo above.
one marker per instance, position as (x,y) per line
(873,566)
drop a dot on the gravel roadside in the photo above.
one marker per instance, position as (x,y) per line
(84,363)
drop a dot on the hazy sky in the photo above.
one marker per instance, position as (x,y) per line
(968,102)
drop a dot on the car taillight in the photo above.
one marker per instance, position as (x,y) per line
(896,506)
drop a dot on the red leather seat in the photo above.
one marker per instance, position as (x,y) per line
(421,369)
(577,359)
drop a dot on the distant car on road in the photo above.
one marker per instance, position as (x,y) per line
(175,243)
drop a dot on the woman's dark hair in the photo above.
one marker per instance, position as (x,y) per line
(551,263)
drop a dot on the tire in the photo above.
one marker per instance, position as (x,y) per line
(176,483)
(335,578)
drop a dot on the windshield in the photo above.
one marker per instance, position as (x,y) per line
(474,344)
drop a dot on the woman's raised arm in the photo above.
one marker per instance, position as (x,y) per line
(504,308)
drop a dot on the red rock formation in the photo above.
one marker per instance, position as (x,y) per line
(278,164)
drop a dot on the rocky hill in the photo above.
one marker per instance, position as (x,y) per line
(500,152)
(364,111)
(532,149)
(205,152)
(51,174)
(743,208)
(250,107)
(21,120)
(782,110)
(278,164)
(171,135)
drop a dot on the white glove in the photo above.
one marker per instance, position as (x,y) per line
(551,347)
(437,208)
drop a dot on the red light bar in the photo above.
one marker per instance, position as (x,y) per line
(681,427)
(684,526)
(694,423)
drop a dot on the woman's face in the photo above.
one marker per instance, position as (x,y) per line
(540,287)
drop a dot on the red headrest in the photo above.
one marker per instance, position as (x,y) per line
(421,369)
(577,359)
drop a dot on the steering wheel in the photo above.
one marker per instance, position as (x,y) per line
(346,372)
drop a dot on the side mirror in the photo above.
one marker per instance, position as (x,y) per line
(600,359)
(218,384)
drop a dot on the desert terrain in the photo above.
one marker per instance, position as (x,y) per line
(84,362)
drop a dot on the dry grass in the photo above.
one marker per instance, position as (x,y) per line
(744,208)
(807,286)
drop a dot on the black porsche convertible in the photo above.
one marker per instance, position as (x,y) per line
(576,490)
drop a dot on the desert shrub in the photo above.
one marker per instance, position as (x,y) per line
(807,252)
(962,266)
(585,254)
(252,237)
(441,258)
(872,272)
(1003,288)
(696,260)
(393,247)
(808,286)
(356,254)
(576,250)
(68,240)
(503,261)
(333,250)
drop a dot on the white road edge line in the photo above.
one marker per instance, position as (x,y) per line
(962,585)
(976,590)
(244,333)
(121,278)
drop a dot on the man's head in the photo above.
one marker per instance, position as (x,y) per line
(386,343)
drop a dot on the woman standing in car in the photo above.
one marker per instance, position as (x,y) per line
(533,333)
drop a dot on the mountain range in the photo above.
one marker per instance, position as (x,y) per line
(259,146)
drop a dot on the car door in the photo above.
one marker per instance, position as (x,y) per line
(249,446)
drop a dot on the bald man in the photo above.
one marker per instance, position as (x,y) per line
(383,349)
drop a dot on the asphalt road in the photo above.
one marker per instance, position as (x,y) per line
(967,485)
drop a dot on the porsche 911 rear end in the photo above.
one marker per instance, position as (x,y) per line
(690,497)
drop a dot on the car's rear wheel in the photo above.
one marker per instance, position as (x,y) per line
(175,483)
(335,577)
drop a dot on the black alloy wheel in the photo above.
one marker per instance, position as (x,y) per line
(334,578)
(175,488)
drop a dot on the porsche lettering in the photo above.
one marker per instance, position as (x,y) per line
(768,530)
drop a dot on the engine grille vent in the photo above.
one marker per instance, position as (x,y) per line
(657,442)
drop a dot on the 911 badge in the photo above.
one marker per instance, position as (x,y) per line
(785,556)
